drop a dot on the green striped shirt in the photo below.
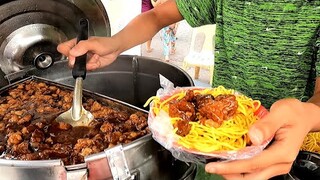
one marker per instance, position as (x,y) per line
(264,49)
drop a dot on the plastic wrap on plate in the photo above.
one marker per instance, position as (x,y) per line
(165,132)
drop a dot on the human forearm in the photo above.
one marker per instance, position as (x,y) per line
(146,25)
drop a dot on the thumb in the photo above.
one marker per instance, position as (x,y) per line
(264,129)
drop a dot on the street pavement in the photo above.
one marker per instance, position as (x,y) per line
(184,34)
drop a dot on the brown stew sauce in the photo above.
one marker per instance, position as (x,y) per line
(205,109)
(28,130)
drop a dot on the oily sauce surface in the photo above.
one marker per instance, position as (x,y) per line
(28,130)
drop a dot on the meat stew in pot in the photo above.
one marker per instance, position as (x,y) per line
(28,130)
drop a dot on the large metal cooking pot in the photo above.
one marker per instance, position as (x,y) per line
(31,29)
(140,159)
(132,79)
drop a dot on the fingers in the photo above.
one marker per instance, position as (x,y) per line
(268,157)
(265,128)
(73,49)
(65,47)
(94,62)
(281,115)
(288,133)
(266,173)
(99,55)
(81,48)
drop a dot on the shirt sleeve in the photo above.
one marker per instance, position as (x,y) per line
(198,12)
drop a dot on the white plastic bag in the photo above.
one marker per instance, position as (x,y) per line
(163,132)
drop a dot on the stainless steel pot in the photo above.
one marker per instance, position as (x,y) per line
(132,79)
(31,29)
(141,159)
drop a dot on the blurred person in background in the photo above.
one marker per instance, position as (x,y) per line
(168,36)
(146,6)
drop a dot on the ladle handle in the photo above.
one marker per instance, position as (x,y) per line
(79,68)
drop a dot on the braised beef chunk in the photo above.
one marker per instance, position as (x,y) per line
(220,109)
(28,130)
(183,127)
(206,109)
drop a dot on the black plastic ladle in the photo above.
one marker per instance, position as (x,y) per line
(77,115)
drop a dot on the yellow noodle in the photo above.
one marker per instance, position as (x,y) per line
(231,135)
(312,142)
(175,96)
(153,98)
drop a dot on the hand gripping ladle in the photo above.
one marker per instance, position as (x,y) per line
(77,115)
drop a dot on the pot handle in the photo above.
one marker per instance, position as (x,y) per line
(79,68)
(110,164)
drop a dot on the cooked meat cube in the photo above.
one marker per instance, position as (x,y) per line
(53,89)
(26,118)
(75,159)
(96,123)
(64,126)
(95,107)
(136,122)
(98,138)
(132,135)
(31,156)
(58,151)
(67,99)
(28,130)
(82,143)
(189,96)
(87,146)
(41,125)
(183,109)
(37,136)
(107,138)
(183,127)
(202,100)
(62,146)
(111,115)
(106,127)
(222,108)
(14,118)
(36,146)
(2,148)
(2,126)
(86,151)
(22,148)
(92,132)
(14,138)
(41,85)
(115,137)
(49,140)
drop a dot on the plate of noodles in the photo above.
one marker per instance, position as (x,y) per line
(204,124)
